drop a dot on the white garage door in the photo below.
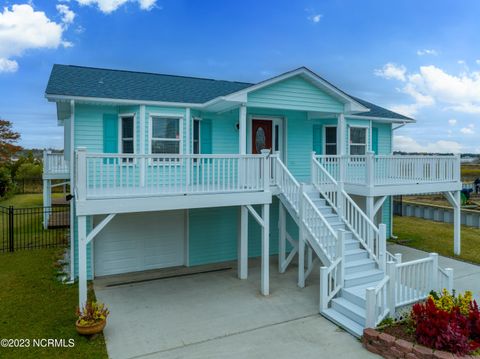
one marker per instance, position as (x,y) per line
(140,241)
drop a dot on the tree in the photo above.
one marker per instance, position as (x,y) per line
(29,171)
(8,140)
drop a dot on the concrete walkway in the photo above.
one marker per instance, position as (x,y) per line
(466,276)
(216,315)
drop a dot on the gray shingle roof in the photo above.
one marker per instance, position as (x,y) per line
(79,81)
(377,111)
(129,85)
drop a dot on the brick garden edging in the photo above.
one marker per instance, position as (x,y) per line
(390,347)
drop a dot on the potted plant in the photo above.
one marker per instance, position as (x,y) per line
(92,318)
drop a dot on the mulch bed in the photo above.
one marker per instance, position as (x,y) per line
(400,331)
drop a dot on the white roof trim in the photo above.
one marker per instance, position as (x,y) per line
(121,101)
(382,119)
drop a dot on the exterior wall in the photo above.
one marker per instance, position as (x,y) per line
(213,234)
(294,93)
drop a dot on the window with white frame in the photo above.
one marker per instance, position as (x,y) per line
(358,140)
(126,134)
(196,136)
(330,140)
(165,135)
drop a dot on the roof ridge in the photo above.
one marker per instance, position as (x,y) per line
(155,73)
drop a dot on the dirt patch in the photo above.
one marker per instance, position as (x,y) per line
(401,331)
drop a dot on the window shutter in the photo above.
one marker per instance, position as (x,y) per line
(317,139)
(375,140)
(206,136)
(110,133)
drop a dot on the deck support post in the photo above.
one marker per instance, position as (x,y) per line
(243,244)
(47,201)
(282,236)
(457,224)
(454,199)
(82,261)
(265,281)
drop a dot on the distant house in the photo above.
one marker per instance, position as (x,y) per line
(173,171)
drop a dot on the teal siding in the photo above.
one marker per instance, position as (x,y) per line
(384,137)
(213,234)
(294,93)
(387,215)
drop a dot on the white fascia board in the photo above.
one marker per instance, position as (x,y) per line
(380,119)
(77,99)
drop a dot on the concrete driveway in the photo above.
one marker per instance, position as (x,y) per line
(216,315)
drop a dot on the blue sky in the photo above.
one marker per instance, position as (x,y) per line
(421,58)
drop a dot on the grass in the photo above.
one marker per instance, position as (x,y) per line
(34,304)
(470,171)
(437,237)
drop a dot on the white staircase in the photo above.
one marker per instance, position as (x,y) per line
(358,288)
(348,308)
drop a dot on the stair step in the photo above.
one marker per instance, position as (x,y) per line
(359,265)
(358,293)
(355,254)
(342,321)
(351,244)
(363,277)
(350,310)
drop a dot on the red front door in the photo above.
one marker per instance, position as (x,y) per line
(261,135)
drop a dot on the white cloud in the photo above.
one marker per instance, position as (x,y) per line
(67,15)
(452,122)
(315,18)
(392,71)
(21,29)
(477,62)
(432,85)
(469,130)
(7,65)
(408,144)
(109,6)
(427,52)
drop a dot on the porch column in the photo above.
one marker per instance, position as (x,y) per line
(457,223)
(341,134)
(242,129)
(265,280)
(242,262)
(82,260)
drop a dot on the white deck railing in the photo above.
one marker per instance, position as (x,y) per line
(405,283)
(54,163)
(125,175)
(392,169)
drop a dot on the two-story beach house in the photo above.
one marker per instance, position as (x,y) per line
(175,171)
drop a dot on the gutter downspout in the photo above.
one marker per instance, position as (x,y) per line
(72,191)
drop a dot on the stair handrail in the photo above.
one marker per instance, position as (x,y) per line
(328,246)
(288,185)
(368,233)
(332,277)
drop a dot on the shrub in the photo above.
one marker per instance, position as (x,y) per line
(448,322)
(92,313)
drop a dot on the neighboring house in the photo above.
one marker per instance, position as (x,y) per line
(181,171)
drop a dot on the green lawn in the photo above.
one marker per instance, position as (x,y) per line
(437,237)
(34,304)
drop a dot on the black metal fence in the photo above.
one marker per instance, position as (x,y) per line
(32,228)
